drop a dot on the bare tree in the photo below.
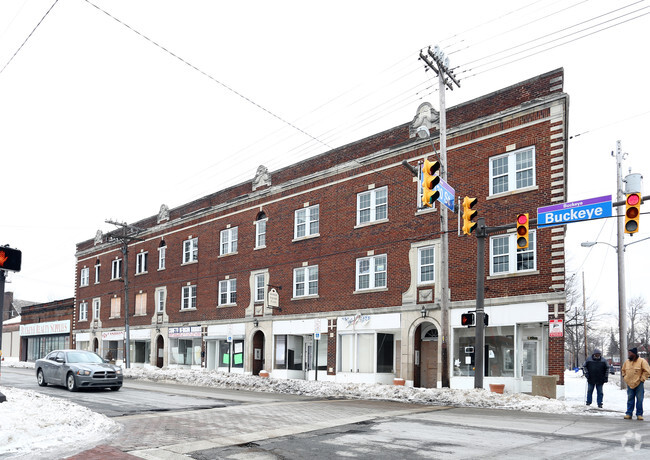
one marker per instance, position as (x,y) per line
(575,317)
(635,311)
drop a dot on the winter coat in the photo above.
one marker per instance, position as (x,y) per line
(596,370)
(635,372)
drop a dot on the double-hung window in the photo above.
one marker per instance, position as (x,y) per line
(141,262)
(259,287)
(372,205)
(306,222)
(85,275)
(116,306)
(97,267)
(161,295)
(116,269)
(305,281)
(141,303)
(83,311)
(228,292)
(512,171)
(188,297)
(228,241)
(190,250)
(162,255)
(505,258)
(260,231)
(96,307)
(426,267)
(371,272)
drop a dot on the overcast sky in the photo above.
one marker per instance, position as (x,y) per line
(98,122)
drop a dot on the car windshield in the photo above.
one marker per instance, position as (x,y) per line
(81,357)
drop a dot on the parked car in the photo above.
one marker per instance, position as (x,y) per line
(76,369)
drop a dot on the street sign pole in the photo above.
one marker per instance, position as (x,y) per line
(479,352)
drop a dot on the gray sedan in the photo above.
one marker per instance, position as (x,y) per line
(76,369)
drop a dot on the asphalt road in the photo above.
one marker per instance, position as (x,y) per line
(180,422)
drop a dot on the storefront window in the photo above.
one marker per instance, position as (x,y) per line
(384,352)
(357,352)
(185,351)
(288,352)
(113,350)
(231,357)
(141,351)
(38,347)
(499,351)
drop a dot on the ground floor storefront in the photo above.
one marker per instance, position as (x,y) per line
(402,347)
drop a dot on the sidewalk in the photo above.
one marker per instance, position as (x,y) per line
(101,453)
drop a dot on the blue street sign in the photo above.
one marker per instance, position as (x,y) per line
(575,211)
(447,194)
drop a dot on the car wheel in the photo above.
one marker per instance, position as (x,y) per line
(115,388)
(40,378)
(71,383)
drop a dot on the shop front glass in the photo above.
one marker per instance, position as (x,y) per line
(185,351)
(288,352)
(39,346)
(499,351)
(141,352)
(233,357)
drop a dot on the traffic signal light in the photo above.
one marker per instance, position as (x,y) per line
(469,214)
(632,211)
(522,231)
(429,181)
(467,319)
(10,259)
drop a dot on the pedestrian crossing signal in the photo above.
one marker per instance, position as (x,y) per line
(10,259)
(467,319)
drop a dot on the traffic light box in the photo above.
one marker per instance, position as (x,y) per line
(522,231)
(632,212)
(469,214)
(10,259)
(429,181)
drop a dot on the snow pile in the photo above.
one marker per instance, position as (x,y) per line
(573,402)
(32,422)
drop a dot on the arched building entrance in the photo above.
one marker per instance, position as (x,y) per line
(160,351)
(258,352)
(425,374)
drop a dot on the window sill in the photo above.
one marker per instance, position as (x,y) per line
(140,314)
(306,237)
(114,317)
(161,269)
(514,192)
(426,284)
(83,285)
(141,273)
(305,297)
(374,222)
(226,305)
(259,247)
(513,275)
(117,279)
(421,211)
(96,282)
(228,254)
(191,262)
(364,291)
(82,321)
(187,309)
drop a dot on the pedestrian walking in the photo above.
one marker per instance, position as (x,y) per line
(635,372)
(596,370)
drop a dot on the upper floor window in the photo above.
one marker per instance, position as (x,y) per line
(190,250)
(96,307)
(85,276)
(259,287)
(260,230)
(426,260)
(306,222)
(141,303)
(116,305)
(305,281)
(162,254)
(512,171)
(188,297)
(371,272)
(141,262)
(83,311)
(161,298)
(116,269)
(228,241)
(227,292)
(372,205)
(506,258)
(97,266)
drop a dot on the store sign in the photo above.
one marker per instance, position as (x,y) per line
(187,331)
(274,298)
(49,328)
(358,319)
(555,328)
(113,336)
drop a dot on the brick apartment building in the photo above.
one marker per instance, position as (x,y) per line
(337,246)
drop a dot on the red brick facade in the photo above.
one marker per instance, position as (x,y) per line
(530,114)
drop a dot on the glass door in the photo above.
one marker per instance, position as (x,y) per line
(529,360)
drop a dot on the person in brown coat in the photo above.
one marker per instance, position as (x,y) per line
(635,371)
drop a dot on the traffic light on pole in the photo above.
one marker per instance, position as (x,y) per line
(10,259)
(469,214)
(632,211)
(429,181)
(467,319)
(522,231)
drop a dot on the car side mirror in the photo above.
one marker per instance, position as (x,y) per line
(60,360)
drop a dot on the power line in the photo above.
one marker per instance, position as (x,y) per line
(28,36)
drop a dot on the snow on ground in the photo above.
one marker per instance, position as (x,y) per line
(30,421)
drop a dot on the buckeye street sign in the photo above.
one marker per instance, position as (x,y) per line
(447,194)
(575,211)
